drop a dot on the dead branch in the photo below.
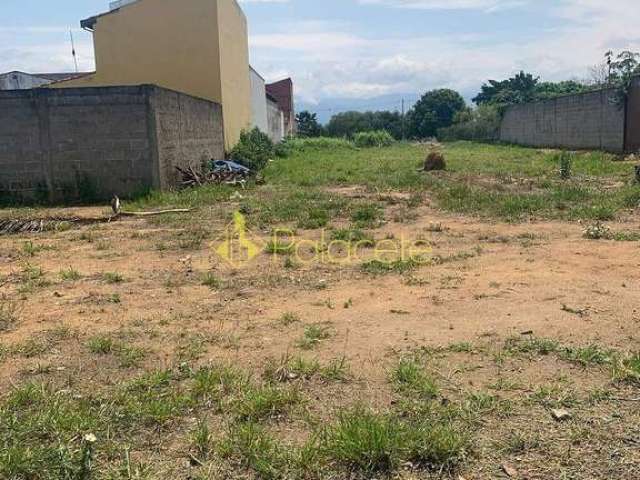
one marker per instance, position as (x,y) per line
(151,214)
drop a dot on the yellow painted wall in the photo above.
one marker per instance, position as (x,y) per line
(199,47)
(234,61)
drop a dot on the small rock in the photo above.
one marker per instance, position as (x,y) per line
(509,470)
(560,414)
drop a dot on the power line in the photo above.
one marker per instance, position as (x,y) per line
(397,103)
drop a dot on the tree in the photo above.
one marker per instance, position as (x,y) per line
(436,109)
(622,71)
(546,90)
(518,89)
(524,88)
(308,125)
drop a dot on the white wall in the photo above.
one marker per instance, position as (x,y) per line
(21,81)
(258,102)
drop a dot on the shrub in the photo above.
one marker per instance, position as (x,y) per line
(254,149)
(378,138)
(481,124)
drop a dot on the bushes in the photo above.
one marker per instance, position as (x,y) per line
(481,124)
(253,150)
(297,144)
(378,138)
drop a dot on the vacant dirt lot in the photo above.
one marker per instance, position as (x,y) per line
(501,281)
(507,323)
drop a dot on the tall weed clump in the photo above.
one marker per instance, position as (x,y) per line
(566,164)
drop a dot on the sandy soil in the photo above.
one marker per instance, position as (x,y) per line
(498,281)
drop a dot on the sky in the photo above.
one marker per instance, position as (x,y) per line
(342,53)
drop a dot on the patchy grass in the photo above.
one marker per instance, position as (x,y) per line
(258,403)
(211,280)
(113,277)
(589,355)
(313,335)
(627,369)
(379,267)
(409,377)
(289,318)
(367,442)
(70,275)
(8,314)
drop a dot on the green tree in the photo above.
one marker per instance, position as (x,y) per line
(308,125)
(518,89)
(545,90)
(436,109)
(622,70)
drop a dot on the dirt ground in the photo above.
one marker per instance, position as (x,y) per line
(493,281)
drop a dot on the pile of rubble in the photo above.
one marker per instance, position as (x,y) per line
(222,172)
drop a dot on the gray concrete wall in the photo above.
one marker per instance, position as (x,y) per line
(90,143)
(585,121)
(633,118)
(188,133)
(275,118)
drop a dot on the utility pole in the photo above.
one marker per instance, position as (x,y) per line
(73,50)
(403,131)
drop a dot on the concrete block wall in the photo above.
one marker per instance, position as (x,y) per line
(188,132)
(90,143)
(633,118)
(584,121)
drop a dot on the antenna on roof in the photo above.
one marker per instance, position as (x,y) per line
(73,50)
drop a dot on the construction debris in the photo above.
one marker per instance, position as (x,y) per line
(222,172)
(560,414)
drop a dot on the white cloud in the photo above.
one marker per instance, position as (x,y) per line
(331,59)
(487,5)
(337,62)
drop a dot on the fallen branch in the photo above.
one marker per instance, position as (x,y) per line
(15,226)
(151,214)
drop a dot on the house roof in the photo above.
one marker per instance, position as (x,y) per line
(90,22)
(283,92)
(54,77)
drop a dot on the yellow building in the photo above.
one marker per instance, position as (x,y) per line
(198,47)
